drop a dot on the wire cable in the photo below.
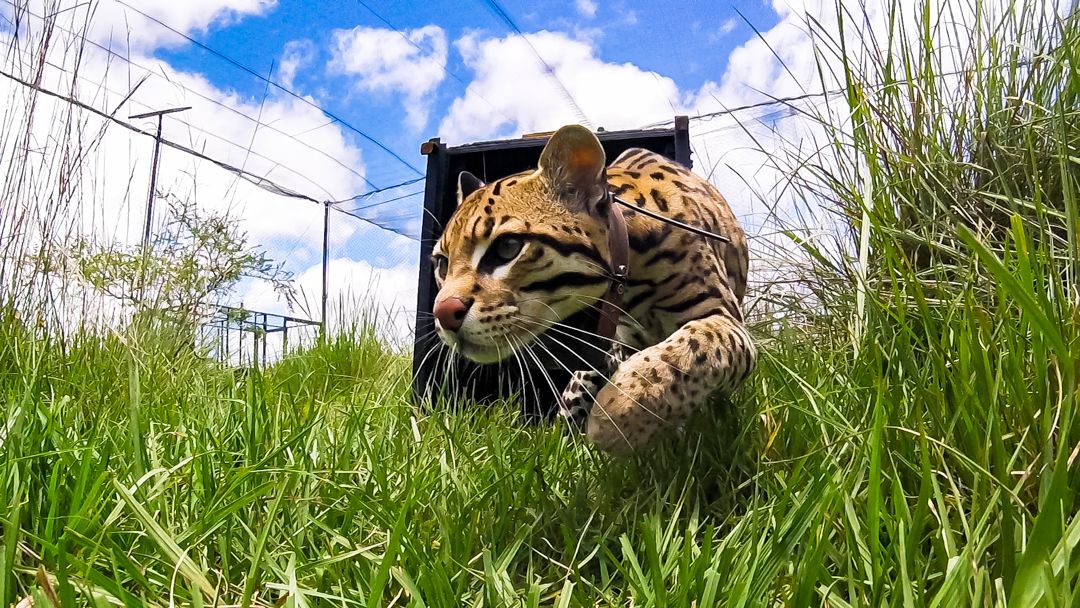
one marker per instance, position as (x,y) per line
(444,65)
(371,193)
(502,14)
(772,101)
(207,98)
(278,86)
(206,132)
(256,180)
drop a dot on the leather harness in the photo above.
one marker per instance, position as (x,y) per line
(619,250)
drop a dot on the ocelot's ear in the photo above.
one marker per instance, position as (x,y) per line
(573,162)
(467,183)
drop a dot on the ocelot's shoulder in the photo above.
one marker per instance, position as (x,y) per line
(640,160)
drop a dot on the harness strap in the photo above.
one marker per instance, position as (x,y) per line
(619,249)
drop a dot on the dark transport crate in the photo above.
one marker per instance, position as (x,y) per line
(436,375)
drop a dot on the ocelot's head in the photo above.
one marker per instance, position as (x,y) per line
(524,252)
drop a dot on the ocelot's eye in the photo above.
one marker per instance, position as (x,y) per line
(441,265)
(508,248)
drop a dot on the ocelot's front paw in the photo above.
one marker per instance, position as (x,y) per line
(577,398)
(627,416)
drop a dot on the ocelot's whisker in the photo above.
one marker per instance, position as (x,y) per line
(602,375)
(532,382)
(562,327)
(607,377)
(521,370)
(595,402)
(613,339)
(551,383)
(554,389)
(591,302)
(539,364)
(557,330)
(498,353)
(432,350)
(583,341)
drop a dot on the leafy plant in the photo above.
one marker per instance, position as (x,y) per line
(196,258)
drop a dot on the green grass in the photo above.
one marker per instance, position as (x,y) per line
(908,439)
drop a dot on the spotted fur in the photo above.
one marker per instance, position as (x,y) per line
(525,252)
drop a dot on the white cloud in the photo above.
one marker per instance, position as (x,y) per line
(614,96)
(586,8)
(781,62)
(725,28)
(739,153)
(412,63)
(297,54)
(743,154)
(120,26)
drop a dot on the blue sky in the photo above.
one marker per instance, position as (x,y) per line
(688,42)
(647,59)
(446,68)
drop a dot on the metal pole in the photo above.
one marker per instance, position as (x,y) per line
(265,338)
(153,184)
(325,267)
(154,167)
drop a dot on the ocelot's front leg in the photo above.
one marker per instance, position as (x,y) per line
(658,387)
(580,393)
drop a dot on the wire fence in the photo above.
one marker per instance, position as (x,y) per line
(291,198)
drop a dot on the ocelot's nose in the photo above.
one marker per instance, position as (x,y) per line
(450,313)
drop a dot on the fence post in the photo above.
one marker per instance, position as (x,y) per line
(325,268)
(159,114)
